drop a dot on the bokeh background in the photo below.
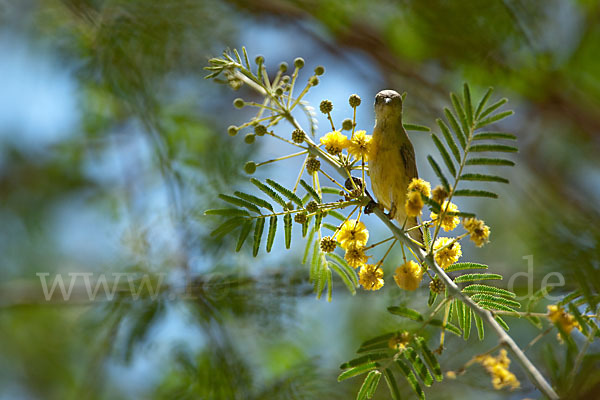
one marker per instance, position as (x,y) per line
(112,144)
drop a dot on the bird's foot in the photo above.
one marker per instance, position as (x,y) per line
(371,206)
(392,212)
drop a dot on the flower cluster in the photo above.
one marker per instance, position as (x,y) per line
(447,251)
(449,221)
(478,231)
(563,319)
(371,277)
(409,275)
(358,146)
(497,367)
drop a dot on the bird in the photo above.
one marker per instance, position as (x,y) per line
(392,163)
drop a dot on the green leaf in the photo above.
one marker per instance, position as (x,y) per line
(239,202)
(465,265)
(582,324)
(330,190)
(456,128)
(475,193)
(358,370)
(479,325)
(367,386)
(243,235)
(318,220)
(432,297)
(365,359)
(449,139)
(438,172)
(418,366)
(406,313)
(468,104)
(336,215)
(269,192)
(501,322)
(287,228)
(490,161)
(493,147)
(390,379)
(483,178)
(479,288)
(286,192)
(493,118)
(476,277)
(494,135)
(315,261)
(377,340)
(489,297)
(467,324)
(430,359)
(246,58)
(483,101)
(492,108)
(310,190)
(227,227)
(305,226)
(411,378)
(460,311)
(444,154)
(272,231)
(329,226)
(493,305)
(450,327)
(345,278)
(228,212)
(258,230)
(329,283)
(461,114)
(321,277)
(343,264)
(416,127)
(255,200)
(568,298)
(309,243)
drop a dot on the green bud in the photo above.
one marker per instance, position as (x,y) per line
(285,79)
(239,103)
(354,100)
(249,138)
(260,130)
(298,136)
(232,130)
(283,66)
(320,70)
(250,167)
(314,81)
(347,124)
(326,107)
(259,59)
(278,91)
(299,62)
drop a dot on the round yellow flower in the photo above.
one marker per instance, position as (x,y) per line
(409,275)
(478,231)
(353,233)
(421,186)
(414,204)
(448,255)
(439,194)
(334,142)
(355,256)
(497,367)
(371,277)
(399,341)
(449,222)
(559,316)
(360,145)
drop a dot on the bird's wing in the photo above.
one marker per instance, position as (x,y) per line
(407,152)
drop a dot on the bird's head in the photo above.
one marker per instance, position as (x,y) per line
(388,103)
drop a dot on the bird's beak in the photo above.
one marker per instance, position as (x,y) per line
(388,100)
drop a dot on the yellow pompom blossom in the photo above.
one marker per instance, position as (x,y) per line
(449,222)
(370,277)
(559,316)
(448,255)
(352,233)
(355,256)
(399,341)
(439,194)
(497,367)
(360,145)
(334,142)
(409,275)
(414,204)
(478,231)
(421,186)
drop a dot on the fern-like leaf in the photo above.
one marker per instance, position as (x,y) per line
(483,178)
(390,379)
(449,139)
(311,191)
(406,313)
(240,202)
(479,325)
(494,135)
(258,230)
(480,288)
(456,128)
(228,212)
(492,108)
(444,154)
(246,228)
(255,200)
(462,116)
(468,105)
(475,193)
(416,127)
(430,359)
(269,192)
(227,227)
(418,366)
(490,161)
(483,101)
(501,300)
(438,172)
(476,277)
(287,228)
(493,118)
(465,265)
(272,231)
(411,379)
(358,370)
(480,148)
(286,192)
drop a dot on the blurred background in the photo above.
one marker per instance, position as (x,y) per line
(112,145)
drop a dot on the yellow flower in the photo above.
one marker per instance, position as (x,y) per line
(439,194)
(559,316)
(353,233)
(448,255)
(360,145)
(497,367)
(334,142)
(355,256)
(409,275)
(478,231)
(421,186)
(370,277)
(414,204)
(449,222)
(399,341)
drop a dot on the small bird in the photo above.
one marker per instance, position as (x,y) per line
(392,162)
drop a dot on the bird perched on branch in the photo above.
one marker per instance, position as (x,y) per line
(392,162)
